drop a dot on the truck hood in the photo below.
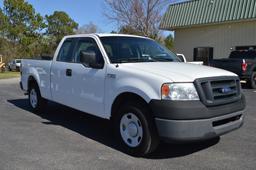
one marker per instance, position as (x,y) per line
(178,72)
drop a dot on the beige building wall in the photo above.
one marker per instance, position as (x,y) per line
(221,37)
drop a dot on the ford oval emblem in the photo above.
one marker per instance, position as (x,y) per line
(225,90)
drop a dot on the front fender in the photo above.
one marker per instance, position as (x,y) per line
(147,91)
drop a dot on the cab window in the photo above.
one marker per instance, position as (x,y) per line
(65,53)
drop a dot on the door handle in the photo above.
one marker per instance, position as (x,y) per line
(68,72)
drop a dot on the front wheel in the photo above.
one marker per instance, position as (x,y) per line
(136,130)
(36,101)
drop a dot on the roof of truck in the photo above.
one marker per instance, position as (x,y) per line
(118,35)
(105,35)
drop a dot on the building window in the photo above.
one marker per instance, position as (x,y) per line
(204,54)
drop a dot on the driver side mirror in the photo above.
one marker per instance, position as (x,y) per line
(182,58)
(89,59)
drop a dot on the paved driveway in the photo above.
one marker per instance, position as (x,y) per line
(63,138)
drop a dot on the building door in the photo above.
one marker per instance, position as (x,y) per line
(204,54)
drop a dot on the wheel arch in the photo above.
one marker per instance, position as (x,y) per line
(31,81)
(126,96)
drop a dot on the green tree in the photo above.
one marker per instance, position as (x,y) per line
(168,41)
(22,27)
(25,31)
(2,22)
(22,21)
(60,24)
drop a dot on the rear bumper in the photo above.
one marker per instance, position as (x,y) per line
(245,77)
(202,129)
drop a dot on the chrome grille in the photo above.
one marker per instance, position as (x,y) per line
(218,90)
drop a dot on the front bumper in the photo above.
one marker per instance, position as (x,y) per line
(190,121)
(201,129)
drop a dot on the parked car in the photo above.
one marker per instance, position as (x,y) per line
(183,59)
(243,63)
(139,85)
(14,65)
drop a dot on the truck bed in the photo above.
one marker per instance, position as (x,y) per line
(41,71)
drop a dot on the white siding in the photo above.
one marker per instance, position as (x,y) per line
(221,37)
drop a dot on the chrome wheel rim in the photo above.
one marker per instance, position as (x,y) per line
(33,98)
(131,130)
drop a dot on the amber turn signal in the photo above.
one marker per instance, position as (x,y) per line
(165,90)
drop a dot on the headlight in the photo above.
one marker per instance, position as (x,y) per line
(179,91)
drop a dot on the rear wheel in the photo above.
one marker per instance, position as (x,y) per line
(36,101)
(253,80)
(135,129)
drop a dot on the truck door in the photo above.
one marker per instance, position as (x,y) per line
(74,84)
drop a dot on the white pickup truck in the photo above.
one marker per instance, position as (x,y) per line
(139,85)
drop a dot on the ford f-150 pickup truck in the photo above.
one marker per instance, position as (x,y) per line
(139,85)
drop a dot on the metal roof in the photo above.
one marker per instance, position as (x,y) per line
(206,12)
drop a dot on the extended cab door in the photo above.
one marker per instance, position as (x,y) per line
(74,84)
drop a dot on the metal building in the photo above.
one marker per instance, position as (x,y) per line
(205,29)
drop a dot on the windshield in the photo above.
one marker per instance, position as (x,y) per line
(18,61)
(133,49)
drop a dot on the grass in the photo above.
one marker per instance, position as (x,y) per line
(9,74)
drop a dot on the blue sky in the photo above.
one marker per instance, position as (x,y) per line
(82,11)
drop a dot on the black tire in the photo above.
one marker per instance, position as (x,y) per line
(40,103)
(252,81)
(149,141)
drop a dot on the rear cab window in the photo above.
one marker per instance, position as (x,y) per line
(66,50)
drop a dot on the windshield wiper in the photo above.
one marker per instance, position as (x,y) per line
(130,60)
(162,59)
(148,59)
